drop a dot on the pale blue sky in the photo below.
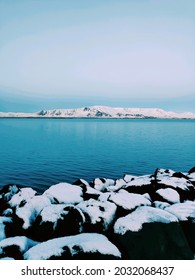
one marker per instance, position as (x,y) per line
(129,53)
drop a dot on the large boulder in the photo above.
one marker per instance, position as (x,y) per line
(25,214)
(185,212)
(127,202)
(57,220)
(99,214)
(88,191)
(151,233)
(64,193)
(141,185)
(21,197)
(6,193)
(3,222)
(168,195)
(15,247)
(191,175)
(101,184)
(84,246)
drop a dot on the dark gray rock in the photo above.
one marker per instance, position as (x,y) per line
(149,233)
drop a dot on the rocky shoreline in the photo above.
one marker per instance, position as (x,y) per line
(135,217)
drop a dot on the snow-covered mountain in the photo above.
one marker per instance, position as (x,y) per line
(102,112)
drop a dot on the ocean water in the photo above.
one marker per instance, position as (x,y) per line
(42,152)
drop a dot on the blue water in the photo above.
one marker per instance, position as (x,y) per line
(42,152)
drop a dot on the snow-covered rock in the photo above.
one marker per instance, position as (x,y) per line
(81,246)
(58,220)
(99,214)
(128,201)
(15,246)
(151,233)
(8,191)
(120,183)
(162,173)
(169,195)
(185,212)
(141,185)
(3,222)
(31,209)
(21,197)
(101,184)
(64,193)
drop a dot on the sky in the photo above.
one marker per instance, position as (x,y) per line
(70,54)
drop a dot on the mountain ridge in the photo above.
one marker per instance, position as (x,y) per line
(102,112)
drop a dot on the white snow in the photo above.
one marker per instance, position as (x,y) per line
(142,215)
(169,194)
(23,195)
(183,211)
(99,211)
(65,193)
(3,220)
(88,242)
(22,242)
(31,209)
(127,200)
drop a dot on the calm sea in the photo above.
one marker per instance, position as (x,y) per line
(42,152)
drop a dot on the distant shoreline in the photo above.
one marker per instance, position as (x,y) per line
(97,118)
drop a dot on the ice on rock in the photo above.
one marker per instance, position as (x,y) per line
(65,193)
(84,242)
(128,201)
(23,195)
(169,195)
(142,215)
